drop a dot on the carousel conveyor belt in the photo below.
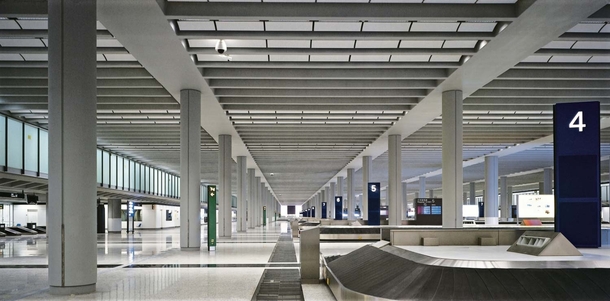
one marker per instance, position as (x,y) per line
(374,272)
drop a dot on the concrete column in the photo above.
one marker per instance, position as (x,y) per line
(367,163)
(472,194)
(72,231)
(114,216)
(548,181)
(394,179)
(262,198)
(257,203)
(509,194)
(339,191)
(190,169)
(242,189)
(504,205)
(452,159)
(329,202)
(465,202)
(351,194)
(331,197)
(225,164)
(431,193)
(491,190)
(540,187)
(251,197)
(405,202)
(422,186)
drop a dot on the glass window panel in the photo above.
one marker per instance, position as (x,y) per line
(31,148)
(105,168)
(147,179)
(156,172)
(152,181)
(125,173)
(112,170)
(15,144)
(129,175)
(137,176)
(119,172)
(164,183)
(99,164)
(44,151)
(178,186)
(2,140)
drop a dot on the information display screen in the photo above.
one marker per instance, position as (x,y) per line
(429,207)
(536,206)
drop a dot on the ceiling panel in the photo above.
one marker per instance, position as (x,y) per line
(288,26)
(250,26)
(459,44)
(559,45)
(329,58)
(332,43)
(569,59)
(477,27)
(432,27)
(288,43)
(370,58)
(289,58)
(421,44)
(587,27)
(376,44)
(337,26)
(389,26)
(196,25)
(592,45)
(410,58)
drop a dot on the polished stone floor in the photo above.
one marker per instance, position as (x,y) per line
(149,265)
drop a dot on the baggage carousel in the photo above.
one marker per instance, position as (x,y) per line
(386,272)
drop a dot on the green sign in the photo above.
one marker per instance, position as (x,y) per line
(264,215)
(211,218)
(1,206)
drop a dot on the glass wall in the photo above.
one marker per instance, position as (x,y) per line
(15,145)
(25,148)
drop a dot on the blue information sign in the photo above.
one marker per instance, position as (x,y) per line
(576,138)
(313,211)
(324,210)
(338,208)
(374,190)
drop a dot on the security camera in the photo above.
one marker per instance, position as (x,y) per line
(221,47)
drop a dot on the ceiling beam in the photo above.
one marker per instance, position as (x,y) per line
(549,84)
(304,100)
(339,11)
(20,8)
(285,93)
(102,73)
(545,93)
(326,73)
(42,33)
(45,50)
(330,65)
(320,84)
(334,35)
(336,51)
(552,74)
(327,107)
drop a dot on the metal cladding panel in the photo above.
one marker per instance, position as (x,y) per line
(374,203)
(338,208)
(576,128)
(324,210)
